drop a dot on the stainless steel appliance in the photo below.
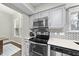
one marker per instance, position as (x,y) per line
(40,22)
(38,44)
(37,49)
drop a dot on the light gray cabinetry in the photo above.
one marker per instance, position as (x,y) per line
(37,17)
(52,53)
(55,53)
(34,18)
(60,51)
(65,54)
(31,20)
(44,14)
(25,47)
(56,18)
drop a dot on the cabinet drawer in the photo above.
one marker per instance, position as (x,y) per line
(65,54)
(58,53)
(52,53)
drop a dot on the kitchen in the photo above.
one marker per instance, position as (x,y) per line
(54,27)
(47,29)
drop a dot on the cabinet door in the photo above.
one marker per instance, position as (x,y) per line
(52,53)
(55,53)
(50,20)
(31,21)
(56,18)
(65,54)
(50,17)
(44,14)
(27,48)
(36,16)
(58,53)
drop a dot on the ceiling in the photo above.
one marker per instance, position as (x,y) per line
(36,4)
(31,8)
(7,10)
(44,6)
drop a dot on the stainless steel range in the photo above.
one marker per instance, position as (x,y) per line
(38,44)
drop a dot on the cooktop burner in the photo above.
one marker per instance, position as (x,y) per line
(40,39)
(37,40)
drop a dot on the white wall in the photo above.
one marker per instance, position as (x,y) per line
(25,26)
(24,29)
(7,17)
(5,24)
(13,37)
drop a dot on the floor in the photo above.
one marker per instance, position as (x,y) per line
(11,49)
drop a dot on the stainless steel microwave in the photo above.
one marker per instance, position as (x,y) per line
(41,22)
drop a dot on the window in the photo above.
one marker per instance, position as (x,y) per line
(75,21)
(17,26)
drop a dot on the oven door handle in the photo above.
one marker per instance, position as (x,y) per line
(37,53)
(37,43)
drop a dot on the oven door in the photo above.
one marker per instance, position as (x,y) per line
(37,49)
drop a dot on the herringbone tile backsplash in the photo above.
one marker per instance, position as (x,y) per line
(72,35)
(67,35)
(57,36)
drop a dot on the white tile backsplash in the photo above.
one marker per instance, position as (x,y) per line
(67,35)
(72,35)
(57,35)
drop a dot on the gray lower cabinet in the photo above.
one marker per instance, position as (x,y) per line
(55,53)
(52,53)
(25,47)
(65,54)
(58,53)
(62,51)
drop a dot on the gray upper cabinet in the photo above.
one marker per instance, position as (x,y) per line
(56,18)
(33,18)
(31,21)
(44,14)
